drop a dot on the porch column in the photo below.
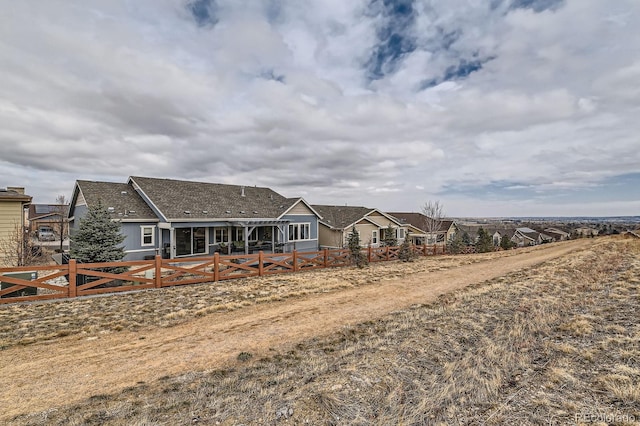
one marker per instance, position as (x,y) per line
(246,240)
(273,239)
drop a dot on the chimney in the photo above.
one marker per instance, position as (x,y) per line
(242,192)
(18,189)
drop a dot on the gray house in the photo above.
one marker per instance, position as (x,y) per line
(177,218)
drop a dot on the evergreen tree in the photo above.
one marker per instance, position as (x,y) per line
(389,236)
(456,244)
(466,239)
(406,253)
(353,242)
(98,239)
(506,243)
(485,242)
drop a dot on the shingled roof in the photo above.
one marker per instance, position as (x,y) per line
(188,200)
(12,195)
(122,201)
(339,217)
(418,220)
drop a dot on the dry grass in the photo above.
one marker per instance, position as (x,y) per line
(536,347)
(28,323)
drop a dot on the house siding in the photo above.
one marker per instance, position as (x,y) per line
(300,209)
(329,238)
(305,245)
(133,240)
(365,229)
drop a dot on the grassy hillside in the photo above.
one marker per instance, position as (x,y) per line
(550,345)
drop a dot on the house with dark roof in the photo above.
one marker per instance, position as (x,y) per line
(418,228)
(178,218)
(523,237)
(337,222)
(47,221)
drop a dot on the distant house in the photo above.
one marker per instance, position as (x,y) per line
(45,219)
(586,232)
(523,237)
(497,238)
(557,234)
(13,201)
(337,222)
(419,232)
(178,218)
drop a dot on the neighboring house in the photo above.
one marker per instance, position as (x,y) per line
(13,201)
(523,237)
(557,234)
(418,224)
(497,238)
(45,220)
(337,222)
(179,218)
(586,232)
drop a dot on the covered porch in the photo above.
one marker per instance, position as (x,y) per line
(186,240)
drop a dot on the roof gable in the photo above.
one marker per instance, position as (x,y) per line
(341,217)
(120,199)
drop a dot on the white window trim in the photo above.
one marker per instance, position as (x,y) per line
(153,235)
(226,234)
(374,236)
(300,225)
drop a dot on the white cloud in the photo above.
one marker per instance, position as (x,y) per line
(114,88)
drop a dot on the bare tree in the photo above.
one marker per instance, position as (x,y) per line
(434,215)
(17,247)
(62,221)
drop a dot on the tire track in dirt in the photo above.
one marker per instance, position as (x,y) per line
(41,376)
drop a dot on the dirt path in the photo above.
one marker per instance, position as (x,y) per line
(37,377)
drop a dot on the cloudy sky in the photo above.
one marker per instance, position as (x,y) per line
(494,107)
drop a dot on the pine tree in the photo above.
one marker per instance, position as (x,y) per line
(389,236)
(406,253)
(353,242)
(466,239)
(506,243)
(456,244)
(485,242)
(98,239)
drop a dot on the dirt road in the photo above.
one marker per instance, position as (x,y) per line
(42,376)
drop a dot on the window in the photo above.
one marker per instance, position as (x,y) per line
(299,231)
(238,234)
(374,237)
(147,236)
(221,235)
(400,233)
(190,241)
(253,235)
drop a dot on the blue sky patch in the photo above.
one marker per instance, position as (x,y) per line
(203,11)
(394,38)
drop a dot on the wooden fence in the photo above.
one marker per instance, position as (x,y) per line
(83,279)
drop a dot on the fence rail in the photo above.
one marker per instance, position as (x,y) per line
(82,279)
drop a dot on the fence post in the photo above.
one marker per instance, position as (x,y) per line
(369,250)
(260,263)
(424,248)
(387,253)
(216,266)
(295,261)
(73,267)
(326,258)
(158,273)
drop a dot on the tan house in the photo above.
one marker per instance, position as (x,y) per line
(12,221)
(338,221)
(418,224)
